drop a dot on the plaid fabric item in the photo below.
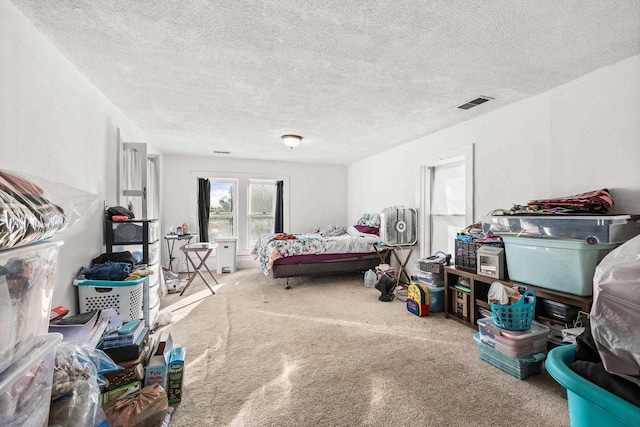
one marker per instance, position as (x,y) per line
(591,202)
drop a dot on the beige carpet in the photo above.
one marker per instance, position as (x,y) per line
(328,353)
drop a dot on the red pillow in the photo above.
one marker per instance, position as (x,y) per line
(367,230)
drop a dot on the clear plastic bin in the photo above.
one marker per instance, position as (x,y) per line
(521,368)
(514,343)
(26,286)
(428,278)
(25,387)
(590,229)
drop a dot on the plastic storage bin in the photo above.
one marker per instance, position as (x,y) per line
(590,229)
(562,265)
(516,344)
(558,310)
(25,387)
(126,297)
(137,251)
(436,298)
(466,254)
(431,279)
(521,368)
(133,231)
(26,286)
(589,405)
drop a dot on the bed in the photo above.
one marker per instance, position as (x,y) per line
(291,255)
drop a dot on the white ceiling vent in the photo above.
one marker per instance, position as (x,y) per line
(474,102)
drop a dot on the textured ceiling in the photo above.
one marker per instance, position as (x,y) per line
(354,78)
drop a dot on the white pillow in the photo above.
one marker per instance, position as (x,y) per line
(353,231)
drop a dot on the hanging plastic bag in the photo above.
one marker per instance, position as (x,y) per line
(615,314)
(34,209)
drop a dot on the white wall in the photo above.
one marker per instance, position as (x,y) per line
(56,125)
(582,136)
(317,193)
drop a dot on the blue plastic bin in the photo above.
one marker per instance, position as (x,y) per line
(436,298)
(589,405)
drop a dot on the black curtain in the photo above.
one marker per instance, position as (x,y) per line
(279,212)
(204,203)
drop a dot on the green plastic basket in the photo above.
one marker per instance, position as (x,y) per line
(515,317)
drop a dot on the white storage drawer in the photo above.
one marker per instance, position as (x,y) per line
(138,252)
(154,278)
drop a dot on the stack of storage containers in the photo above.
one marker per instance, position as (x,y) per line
(27,352)
(559,252)
(519,353)
(432,275)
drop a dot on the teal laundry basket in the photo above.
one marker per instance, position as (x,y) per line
(589,405)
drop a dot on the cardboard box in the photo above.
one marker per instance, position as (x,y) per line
(157,369)
(176,375)
(459,303)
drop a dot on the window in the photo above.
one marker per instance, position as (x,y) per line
(222,215)
(447,203)
(261,207)
(447,199)
(242,205)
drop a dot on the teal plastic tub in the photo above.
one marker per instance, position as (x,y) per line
(436,298)
(589,405)
(521,368)
(562,265)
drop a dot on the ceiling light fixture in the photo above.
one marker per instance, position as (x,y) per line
(291,140)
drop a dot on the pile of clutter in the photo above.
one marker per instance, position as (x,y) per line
(510,339)
(128,378)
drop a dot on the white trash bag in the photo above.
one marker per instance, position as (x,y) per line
(615,315)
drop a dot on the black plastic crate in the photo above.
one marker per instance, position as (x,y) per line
(466,254)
